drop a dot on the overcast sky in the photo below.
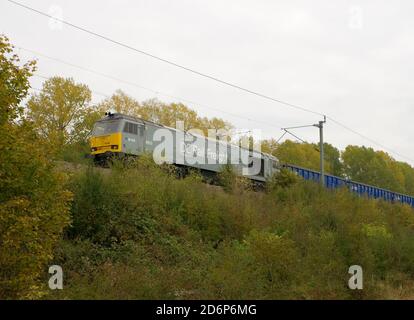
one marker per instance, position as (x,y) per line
(352,60)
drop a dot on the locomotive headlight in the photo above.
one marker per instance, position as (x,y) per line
(114,147)
(93,149)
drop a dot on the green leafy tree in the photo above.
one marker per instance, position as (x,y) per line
(14,82)
(282,179)
(120,102)
(333,159)
(269,146)
(408,172)
(61,112)
(373,167)
(33,200)
(301,154)
(305,155)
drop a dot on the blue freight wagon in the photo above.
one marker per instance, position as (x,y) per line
(333,182)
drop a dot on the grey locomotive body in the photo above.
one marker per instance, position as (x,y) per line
(119,134)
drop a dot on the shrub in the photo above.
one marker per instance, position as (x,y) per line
(34,209)
(190,240)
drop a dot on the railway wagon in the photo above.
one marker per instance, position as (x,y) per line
(332,182)
(118,135)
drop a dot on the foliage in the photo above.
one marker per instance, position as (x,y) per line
(33,212)
(333,158)
(14,82)
(231,181)
(33,199)
(61,112)
(227,178)
(360,164)
(140,233)
(166,114)
(303,154)
(374,167)
(282,179)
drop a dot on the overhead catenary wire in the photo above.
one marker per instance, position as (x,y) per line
(191,70)
(340,124)
(281,137)
(167,61)
(294,135)
(134,84)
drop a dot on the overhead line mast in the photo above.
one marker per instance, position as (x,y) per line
(321,150)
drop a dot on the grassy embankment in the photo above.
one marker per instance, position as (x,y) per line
(140,233)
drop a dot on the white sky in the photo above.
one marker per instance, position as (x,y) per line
(349,59)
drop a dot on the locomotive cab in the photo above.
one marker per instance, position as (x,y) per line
(106,137)
(116,135)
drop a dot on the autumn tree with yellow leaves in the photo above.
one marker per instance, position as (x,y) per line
(62,112)
(162,113)
(34,203)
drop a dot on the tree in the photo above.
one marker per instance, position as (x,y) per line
(120,102)
(270,146)
(216,123)
(61,112)
(333,159)
(305,155)
(165,114)
(373,167)
(14,82)
(301,154)
(170,114)
(33,201)
(408,173)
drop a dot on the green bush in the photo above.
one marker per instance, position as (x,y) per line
(140,233)
(34,209)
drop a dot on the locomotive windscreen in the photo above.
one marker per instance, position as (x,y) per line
(105,127)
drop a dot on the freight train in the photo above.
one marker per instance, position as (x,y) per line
(119,135)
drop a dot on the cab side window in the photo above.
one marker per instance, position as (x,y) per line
(131,128)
